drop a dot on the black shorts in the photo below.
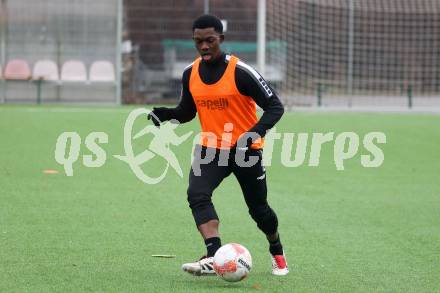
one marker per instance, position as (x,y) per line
(252,181)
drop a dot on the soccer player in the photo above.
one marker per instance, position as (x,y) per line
(224,91)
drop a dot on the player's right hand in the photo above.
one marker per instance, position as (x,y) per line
(158,115)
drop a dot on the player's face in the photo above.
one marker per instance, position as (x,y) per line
(208,42)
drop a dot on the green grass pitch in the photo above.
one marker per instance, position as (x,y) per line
(357,230)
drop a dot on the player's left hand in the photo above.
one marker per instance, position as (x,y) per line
(246,140)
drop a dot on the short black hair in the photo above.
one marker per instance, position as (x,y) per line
(207,21)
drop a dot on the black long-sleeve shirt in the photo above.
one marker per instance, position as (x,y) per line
(249,83)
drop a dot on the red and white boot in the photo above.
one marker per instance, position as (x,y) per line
(279,265)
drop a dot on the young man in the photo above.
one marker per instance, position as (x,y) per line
(224,91)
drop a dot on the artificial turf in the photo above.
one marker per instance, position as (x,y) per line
(357,230)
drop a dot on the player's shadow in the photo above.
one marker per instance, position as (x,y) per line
(210,282)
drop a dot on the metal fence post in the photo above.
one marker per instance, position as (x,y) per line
(350,51)
(261,37)
(3,34)
(206,7)
(319,94)
(119,24)
(410,96)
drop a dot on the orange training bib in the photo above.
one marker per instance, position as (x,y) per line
(224,113)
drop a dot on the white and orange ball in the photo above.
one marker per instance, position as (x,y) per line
(232,262)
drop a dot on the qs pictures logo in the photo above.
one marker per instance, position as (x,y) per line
(68,147)
(295,148)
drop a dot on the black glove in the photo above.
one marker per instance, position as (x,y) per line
(158,115)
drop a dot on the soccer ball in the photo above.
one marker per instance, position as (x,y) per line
(232,262)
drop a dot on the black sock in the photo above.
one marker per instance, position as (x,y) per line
(212,245)
(275,247)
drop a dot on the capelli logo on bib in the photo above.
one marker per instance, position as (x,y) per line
(214,104)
